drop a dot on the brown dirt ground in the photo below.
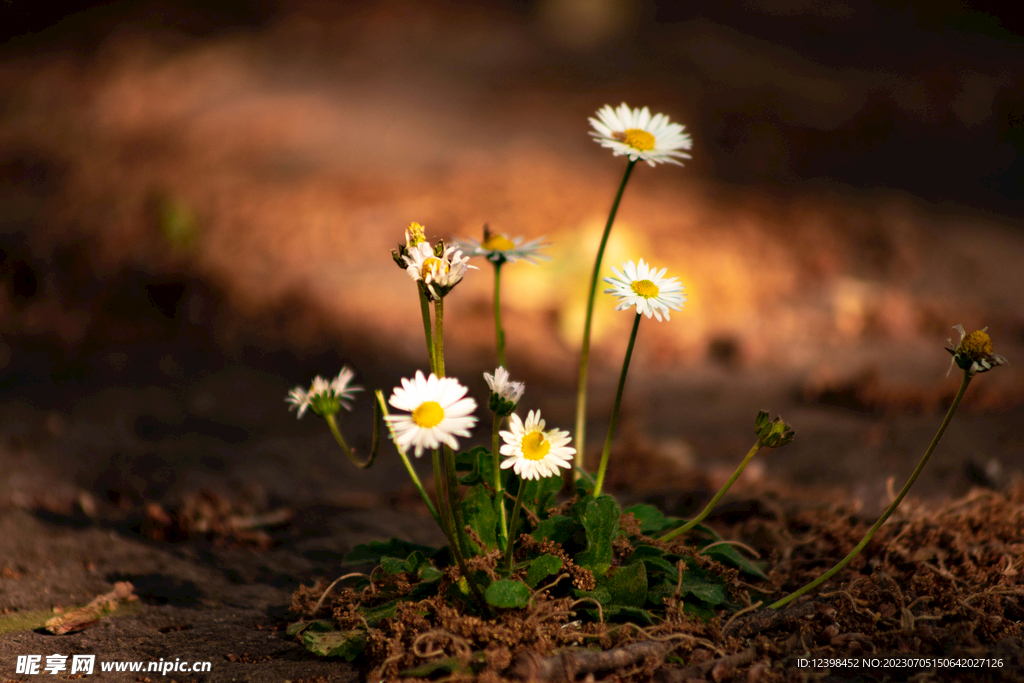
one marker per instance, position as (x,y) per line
(194,222)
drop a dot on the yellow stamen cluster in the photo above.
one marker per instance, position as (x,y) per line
(535,446)
(428,414)
(415,234)
(637,139)
(498,243)
(645,288)
(433,266)
(976,345)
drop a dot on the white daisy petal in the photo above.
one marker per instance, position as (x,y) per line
(438,412)
(638,135)
(646,288)
(532,452)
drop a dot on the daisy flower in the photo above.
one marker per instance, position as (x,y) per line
(974,352)
(438,412)
(499,249)
(532,452)
(634,132)
(438,272)
(505,394)
(325,397)
(652,293)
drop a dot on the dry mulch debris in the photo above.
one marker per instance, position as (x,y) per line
(935,582)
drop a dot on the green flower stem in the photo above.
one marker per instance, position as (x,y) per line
(888,511)
(439,337)
(499,493)
(425,312)
(448,527)
(513,524)
(581,391)
(615,409)
(452,485)
(408,465)
(718,496)
(332,423)
(499,334)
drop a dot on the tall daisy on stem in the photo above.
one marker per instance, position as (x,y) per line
(505,396)
(653,295)
(973,354)
(500,250)
(636,134)
(532,453)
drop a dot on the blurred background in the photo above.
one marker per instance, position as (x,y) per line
(198,203)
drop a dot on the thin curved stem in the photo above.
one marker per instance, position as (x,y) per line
(889,510)
(333,424)
(408,465)
(581,390)
(615,409)
(499,334)
(499,493)
(718,496)
(514,523)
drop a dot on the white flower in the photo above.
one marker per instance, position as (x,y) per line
(532,452)
(325,397)
(974,353)
(505,390)
(652,293)
(438,273)
(636,133)
(500,249)
(299,398)
(437,412)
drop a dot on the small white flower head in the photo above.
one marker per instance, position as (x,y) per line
(325,397)
(533,453)
(974,352)
(438,269)
(634,132)
(505,394)
(649,290)
(499,249)
(438,412)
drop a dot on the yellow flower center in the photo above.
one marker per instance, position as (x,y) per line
(637,139)
(498,243)
(645,288)
(433,266)
(976,345)
(535,446)
(428,414)
(415,234)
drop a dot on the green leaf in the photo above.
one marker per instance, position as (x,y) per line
(394,565)
(628,585)
(345,644)
(429,574)
(636,615)
(703,586)
(651,518)
(540,495)
(478,511)
(557,528)
(657,593)
(448,665)
(318,624)
(373,615)
(507,593)
(372,552)
(541,568)
(697,611)
(600,594)
(480,465)
(728,555)
(600,517)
